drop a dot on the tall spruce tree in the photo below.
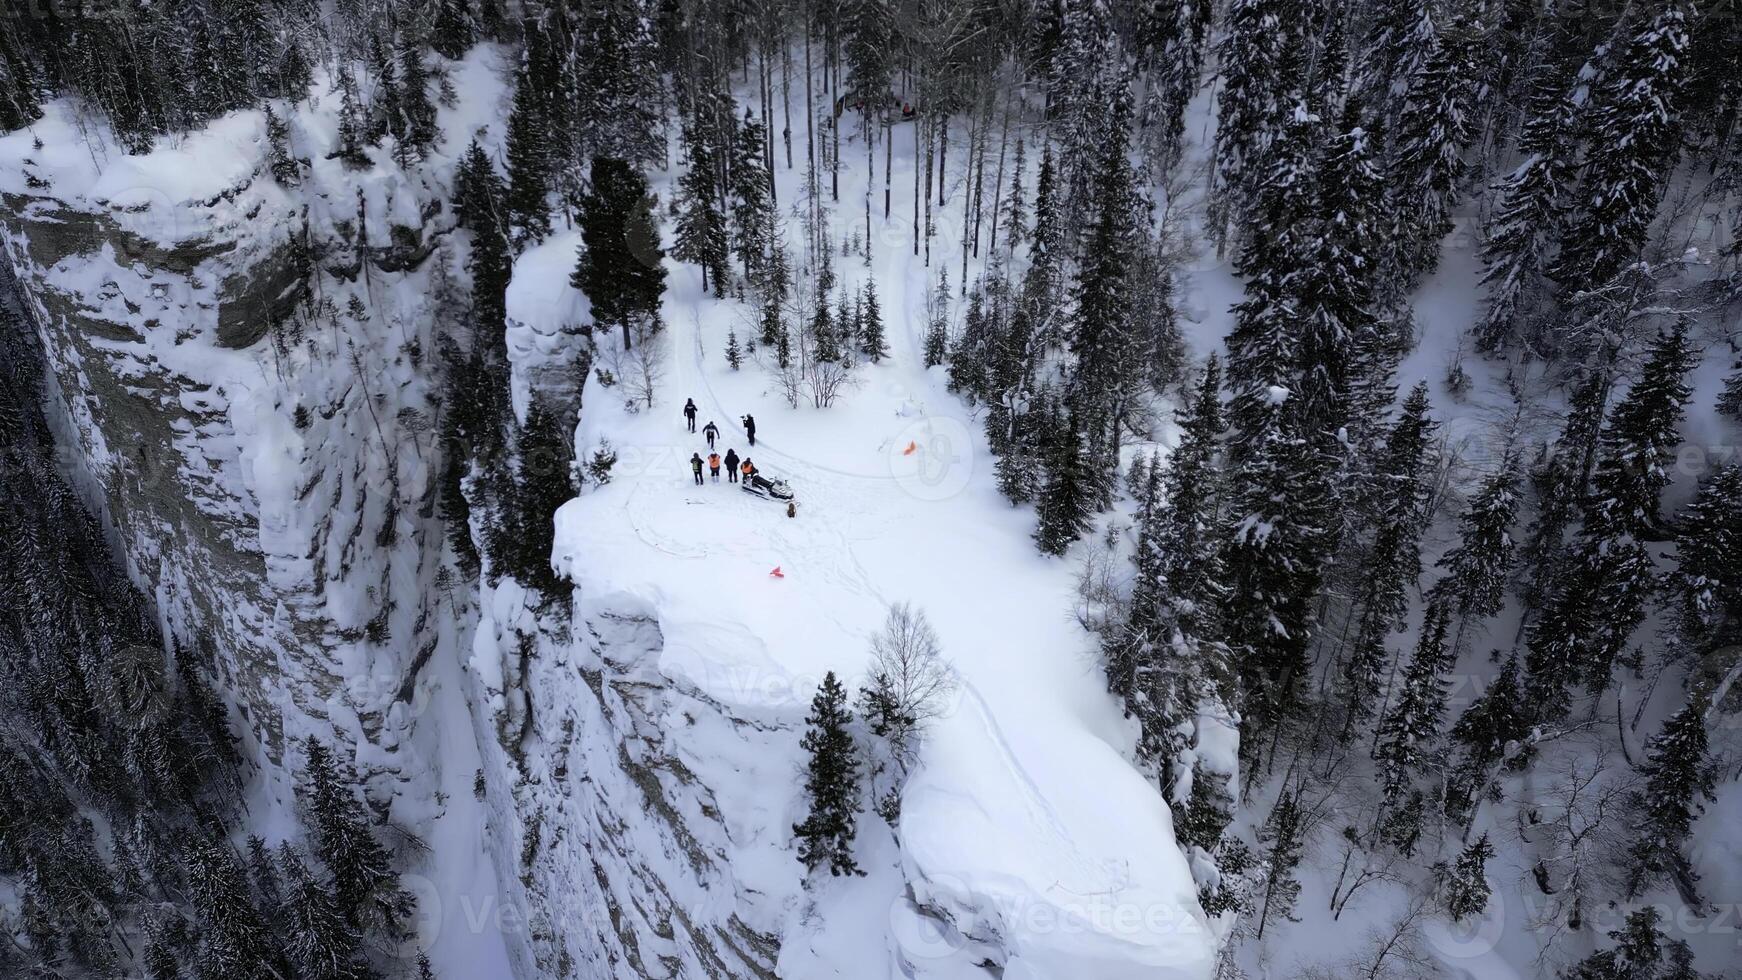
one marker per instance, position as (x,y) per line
(701,222)
(1283,840)
(1600,598)
(1062,514)
(529,162)
(1634,143)
(1411,726)
(365,885)
(825,836)
(1533,200)
(1678,776)
(872,343)
(619,267)
(1479,566)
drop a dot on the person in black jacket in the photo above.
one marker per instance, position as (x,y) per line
(732,466)
(712,431)
(689,412)
(750,428)
(696,467)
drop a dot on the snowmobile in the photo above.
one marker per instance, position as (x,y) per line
(766,487)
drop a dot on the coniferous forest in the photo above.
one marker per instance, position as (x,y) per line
(1364,377)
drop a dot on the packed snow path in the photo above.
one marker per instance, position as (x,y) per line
(1025,821)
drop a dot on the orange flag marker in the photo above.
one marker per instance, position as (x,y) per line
(777,573)
(910,449)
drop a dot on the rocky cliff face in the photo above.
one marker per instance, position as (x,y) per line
(245,379)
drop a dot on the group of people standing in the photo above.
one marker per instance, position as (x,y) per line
(734,466)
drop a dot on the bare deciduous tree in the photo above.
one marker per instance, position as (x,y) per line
(909,684)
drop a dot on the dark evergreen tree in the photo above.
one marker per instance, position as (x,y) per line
(1065,497)
(1484,731)
(453,30)
(1100,332)
(1640,953)
(319,941)
(1730,400)
(1432,129)
(701,222)
(1250,58)
(234,941)
(1283,842)
(1411,726)
(1464,886)
(1396,511)
(826,834)
(417,128)
(1634,144)
(1600,598)
(619,265)
(1478,567)
(529,163)
(1533,200)
(1678,777)
(752,201)
(1173,36)
(872,343)
(734,352)
(1708,575)
(284,166)
(364,884)
(545,482)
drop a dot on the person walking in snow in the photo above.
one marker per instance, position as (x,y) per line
(750,428)
(712,431)
(714,466)
(689,412)
(731,466)
(748,469)
(696,467)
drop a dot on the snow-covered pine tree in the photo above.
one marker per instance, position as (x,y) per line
(1411,725)
(1464,886)
(1561,479)
(1496,719)
(478,191)
(701,223)
(1249,109)
(825,340)
(1635,140)
(872,342)
(1708,575)
(1640,951)
(284,166)
(752,209)
(1730,399)
(1479,566)
(1600,598)
(1283,843)
(1431,131)
(233,937)
(1679,775)
(364,884)
(417,128)
(618,266)
(1172,36)
(1062,514)
(1085,75)
(1015,217)
(529,163)
(544,482)
(453,31)
(619,89)
(348,147)
(734,352)
(825,836)
(1041,283)
(318,939)
(1394,509)
(1532,204)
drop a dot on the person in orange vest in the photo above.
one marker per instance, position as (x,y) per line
(748,469)
(714,466)
(731,466)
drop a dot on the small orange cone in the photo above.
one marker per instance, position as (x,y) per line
(910,449)
(777,573)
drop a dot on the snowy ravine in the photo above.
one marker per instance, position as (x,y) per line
(244,373)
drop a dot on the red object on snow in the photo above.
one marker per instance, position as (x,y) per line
(910,449)
(777,573)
